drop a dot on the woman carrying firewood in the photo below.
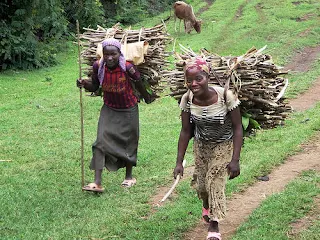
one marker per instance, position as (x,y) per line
(212,115)
(118,127)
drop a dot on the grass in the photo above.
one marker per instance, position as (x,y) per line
(273,219)
(40,133)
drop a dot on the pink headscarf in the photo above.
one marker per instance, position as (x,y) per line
(122,60)
(197,63)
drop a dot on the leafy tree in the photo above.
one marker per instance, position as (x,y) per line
(26,27)
(30,30)
(88,12)
(132,11)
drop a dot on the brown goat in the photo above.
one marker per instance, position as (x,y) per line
(184,12)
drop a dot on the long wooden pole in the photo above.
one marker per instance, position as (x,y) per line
(81,109)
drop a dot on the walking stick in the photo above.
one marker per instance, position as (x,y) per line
(174,184)
(81,108)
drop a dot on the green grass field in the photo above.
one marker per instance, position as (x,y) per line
(41,195)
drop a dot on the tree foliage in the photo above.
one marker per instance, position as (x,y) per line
(30,30)
(25,29)
(132,11)
(87,12)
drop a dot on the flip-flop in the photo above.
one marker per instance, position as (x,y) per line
(93,187)
(215,235)
(127,183)
(205,215)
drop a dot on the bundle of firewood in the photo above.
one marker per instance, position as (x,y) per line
(253,77)
(154,60)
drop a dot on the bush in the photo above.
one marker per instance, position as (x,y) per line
(27,31)
(30,29)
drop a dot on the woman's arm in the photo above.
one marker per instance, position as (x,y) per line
(92,85)
(146,96)
(183,142)
(135,75)
(234,166)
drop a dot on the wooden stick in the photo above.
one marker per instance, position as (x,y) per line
(5,160)
(283,90)
(81,110)
(174,184)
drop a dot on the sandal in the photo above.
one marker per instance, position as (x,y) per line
(127,183)
(205,215)
(93,187)
(214,236)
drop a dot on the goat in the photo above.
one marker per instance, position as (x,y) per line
(184,11)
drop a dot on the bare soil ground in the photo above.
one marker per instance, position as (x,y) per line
(241,205)
(205,8)
(301,224)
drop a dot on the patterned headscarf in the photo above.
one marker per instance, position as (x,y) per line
(197,63)
(122,60)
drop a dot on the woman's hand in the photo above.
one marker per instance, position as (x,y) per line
(178,170)
(149,99)
(233,169)
(81,83)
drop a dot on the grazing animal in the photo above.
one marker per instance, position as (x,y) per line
(184,12)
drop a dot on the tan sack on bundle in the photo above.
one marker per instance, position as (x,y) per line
(99,52)
(133,52)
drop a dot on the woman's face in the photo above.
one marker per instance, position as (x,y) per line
(111,55)
(197,81)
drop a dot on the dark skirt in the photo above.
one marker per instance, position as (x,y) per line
(117,138)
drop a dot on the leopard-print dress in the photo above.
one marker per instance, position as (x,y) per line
(210,174)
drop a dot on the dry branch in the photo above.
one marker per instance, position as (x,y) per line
(153,66)
(253,77)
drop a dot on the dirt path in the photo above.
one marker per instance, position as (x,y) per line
(307,99)
(205,8)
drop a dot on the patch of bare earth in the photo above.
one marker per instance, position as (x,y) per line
(305,17)
(304,223)
(307,99)
(305,33)
(240,10)
(259,10)
(205,8)
(296,3)
(302,62)
(155,201)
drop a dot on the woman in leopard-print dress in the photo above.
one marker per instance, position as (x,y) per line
(217,132)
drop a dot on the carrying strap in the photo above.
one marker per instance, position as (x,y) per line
(225,86)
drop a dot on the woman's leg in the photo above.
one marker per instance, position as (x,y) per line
(128,171)
(213,231)
(215,184)
(97,177)
(129,181)
(213,226)
(205,207)
(97,164)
